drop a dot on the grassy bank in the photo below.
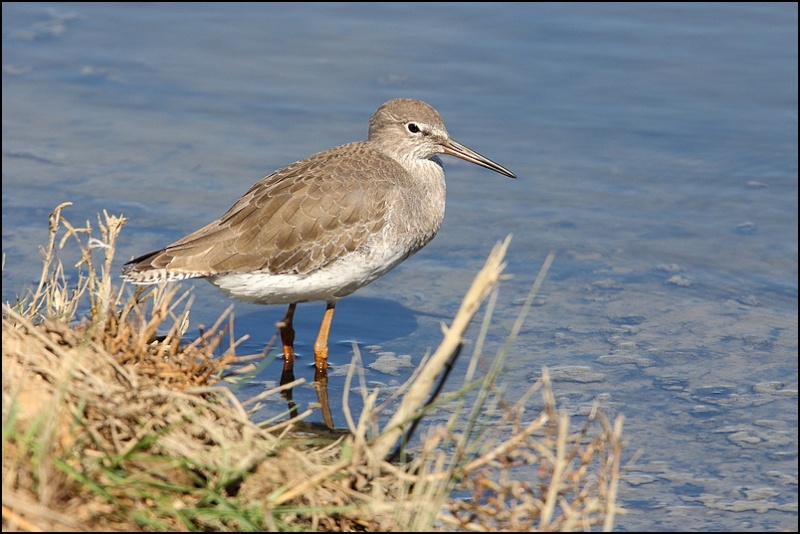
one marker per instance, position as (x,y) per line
(122,418)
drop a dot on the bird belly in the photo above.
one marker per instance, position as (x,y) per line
(334,281)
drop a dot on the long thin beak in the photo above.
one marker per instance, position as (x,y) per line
(458,150)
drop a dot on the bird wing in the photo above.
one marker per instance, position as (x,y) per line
(294,221)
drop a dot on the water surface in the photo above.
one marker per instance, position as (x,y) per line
(656,149)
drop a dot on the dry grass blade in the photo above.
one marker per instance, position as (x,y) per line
(453,336)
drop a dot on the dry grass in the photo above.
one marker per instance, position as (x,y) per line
(108,425)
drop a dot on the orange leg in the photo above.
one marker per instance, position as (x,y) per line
(321,345)
(287,335)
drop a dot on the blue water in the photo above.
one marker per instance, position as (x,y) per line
(656,149)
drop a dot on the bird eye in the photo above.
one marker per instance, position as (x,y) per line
(412,127)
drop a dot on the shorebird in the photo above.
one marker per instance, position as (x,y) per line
(322,227)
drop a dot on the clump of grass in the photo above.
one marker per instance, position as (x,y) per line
(106,424)
(491,469)
(574,487)
(111,421)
